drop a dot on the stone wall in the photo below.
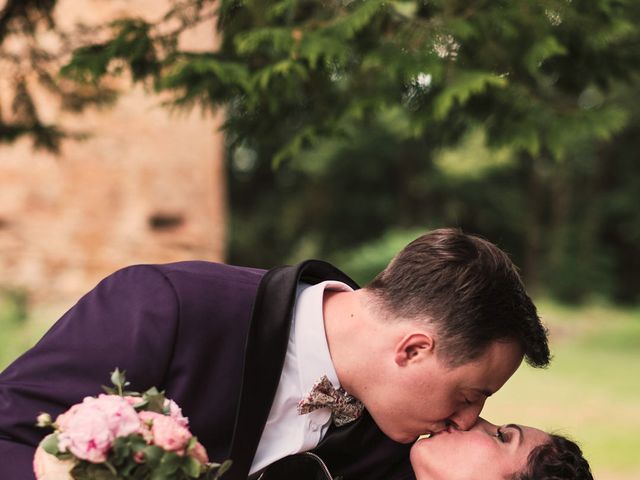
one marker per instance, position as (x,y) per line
(145,186)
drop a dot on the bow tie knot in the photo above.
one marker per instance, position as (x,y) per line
(345,408)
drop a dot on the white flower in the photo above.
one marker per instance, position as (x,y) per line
(48,467)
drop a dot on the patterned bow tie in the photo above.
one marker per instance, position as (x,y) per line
(344,407)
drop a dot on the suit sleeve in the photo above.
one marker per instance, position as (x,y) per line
(128,321)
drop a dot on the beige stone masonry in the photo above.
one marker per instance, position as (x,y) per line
(146,186)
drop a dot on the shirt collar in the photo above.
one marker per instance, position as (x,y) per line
(312,349)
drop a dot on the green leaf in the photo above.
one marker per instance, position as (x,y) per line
(226,465)
(191,467)
(465,85)
(405,9)
(542,50)
(299,141)
(88,64)
(120,450)
(275,40)
(50,444)
(155,400)
(170,463)
(192,443)
(90,471)
(153,455)
(137,443)
(160,475)
(347,26)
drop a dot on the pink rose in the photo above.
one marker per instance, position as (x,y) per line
(88,429)
(175,412)
(48,467)
(133,401)
(146,422)
(165,431)
(199,453)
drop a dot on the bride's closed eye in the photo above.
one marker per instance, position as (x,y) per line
(502,436)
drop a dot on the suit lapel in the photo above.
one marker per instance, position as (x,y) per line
(265,351)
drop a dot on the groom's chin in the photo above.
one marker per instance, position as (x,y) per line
(408,439)
(390,427)
(401,437)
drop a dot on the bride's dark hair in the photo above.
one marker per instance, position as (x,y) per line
(558,459)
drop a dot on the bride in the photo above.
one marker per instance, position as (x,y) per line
(487,451)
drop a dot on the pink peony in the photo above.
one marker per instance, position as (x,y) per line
(62,421)
(48,467)
(88,429)
(87,436)
(122,417)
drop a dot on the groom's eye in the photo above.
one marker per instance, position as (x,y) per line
(470,401)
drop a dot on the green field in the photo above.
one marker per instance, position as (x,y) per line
(591,392)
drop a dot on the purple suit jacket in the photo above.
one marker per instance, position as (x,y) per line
(182,327)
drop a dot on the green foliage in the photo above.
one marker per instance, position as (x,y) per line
(462,88)
(131,45)
(25,14)
(14,305)
(306,69)
(344,121)
(18,329)
(364,262)
(151,400)
(158,465)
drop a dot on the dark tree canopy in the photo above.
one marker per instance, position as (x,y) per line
(510,119)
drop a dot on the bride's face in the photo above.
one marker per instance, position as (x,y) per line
(476,453)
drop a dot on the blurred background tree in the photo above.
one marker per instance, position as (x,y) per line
(352,125)
(32,50)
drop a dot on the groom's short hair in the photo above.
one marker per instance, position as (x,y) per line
(469,289)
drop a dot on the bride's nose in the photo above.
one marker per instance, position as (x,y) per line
(484,425)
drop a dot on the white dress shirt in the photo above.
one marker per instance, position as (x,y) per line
(286,432)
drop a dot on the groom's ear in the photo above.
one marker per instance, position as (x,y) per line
(414,347)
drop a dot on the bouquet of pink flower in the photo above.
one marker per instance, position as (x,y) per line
(122,435)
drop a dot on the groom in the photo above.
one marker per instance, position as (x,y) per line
(250,355)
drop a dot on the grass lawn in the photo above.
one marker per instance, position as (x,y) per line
(591,392)
(19,331)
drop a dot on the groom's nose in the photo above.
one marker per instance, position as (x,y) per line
(465,418)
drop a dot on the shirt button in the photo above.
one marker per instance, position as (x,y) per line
(314,427)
